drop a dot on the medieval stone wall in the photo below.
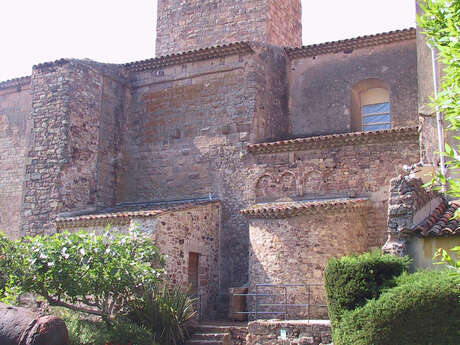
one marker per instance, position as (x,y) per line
(185,138)
(186,135)
(177,233)
(189,25)
(195,230)
(295,251)
(269,75)
(296,332)
(342,171)
(65,149)
(284,23)
(15,104)
(320,100)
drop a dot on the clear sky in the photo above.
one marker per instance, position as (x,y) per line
(119,31)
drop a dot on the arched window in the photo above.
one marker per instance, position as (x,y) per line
(370,106)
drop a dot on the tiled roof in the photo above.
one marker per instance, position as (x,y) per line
(352,43)
(323,141)
(123,213)
(49,64)
(285,209)
(440,222)
(14,82)
(191,56)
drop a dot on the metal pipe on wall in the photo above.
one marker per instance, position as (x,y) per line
(439,122)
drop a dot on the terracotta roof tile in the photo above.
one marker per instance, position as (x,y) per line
(352,43)
(14,82)
(440,222)
(123,213)
(191,56)
(285,209)
(323,141)
(49,64)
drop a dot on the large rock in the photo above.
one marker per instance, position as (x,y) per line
(20,326)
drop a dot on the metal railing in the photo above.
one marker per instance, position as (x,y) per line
(285,306)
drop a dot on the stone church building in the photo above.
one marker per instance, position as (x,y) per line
(250,158)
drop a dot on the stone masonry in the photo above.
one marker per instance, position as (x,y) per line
(15,104)
(190,25)
(178,229)
(257,121)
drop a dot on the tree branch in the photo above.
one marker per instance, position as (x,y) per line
(57,303)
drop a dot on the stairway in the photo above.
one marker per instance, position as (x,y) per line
(210,334)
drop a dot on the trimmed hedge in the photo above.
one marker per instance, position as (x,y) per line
(353,280)
(423,309)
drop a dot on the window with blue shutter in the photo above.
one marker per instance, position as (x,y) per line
(376,116)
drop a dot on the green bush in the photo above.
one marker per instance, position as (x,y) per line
(423,309)
(4,267)
(7,269)
(83,331)
(165,312)
(353,280)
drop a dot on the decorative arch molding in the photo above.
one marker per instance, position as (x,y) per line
(272,186)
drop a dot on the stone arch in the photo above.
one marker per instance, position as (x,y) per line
(288,184)
(264,186)
(312,181)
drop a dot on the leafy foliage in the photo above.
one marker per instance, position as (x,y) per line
(446,259)
(165,311)
(95,274)
(110,275)
(4,263)
(83,331)
(440,24)
(422,309)
(353,280)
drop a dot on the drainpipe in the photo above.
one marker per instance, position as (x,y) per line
(439,123)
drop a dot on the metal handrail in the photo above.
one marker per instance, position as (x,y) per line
(256,312)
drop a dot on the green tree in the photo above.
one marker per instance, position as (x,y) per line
(440,23)
(86,272)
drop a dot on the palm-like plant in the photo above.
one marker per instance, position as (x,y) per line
(165,311)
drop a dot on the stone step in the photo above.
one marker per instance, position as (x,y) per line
(202,342)
(211,336)
(214,328)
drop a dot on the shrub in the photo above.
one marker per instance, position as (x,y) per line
(352,280)
(7,268)
(4,266)
(95,274)
(83,331)
(422,309)
(165,312)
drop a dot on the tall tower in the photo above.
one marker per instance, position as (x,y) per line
(192,24)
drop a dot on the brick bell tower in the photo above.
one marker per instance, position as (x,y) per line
(193,24)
